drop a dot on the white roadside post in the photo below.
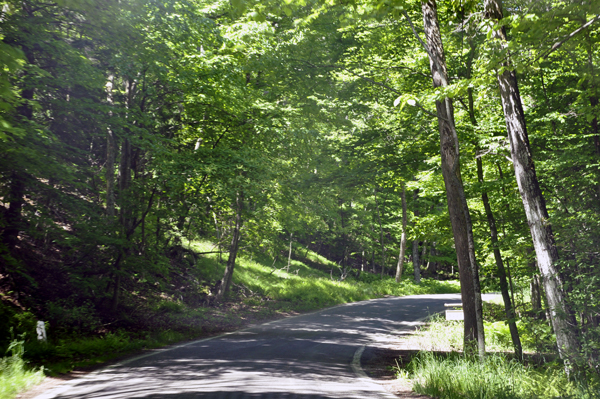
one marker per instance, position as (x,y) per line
(41,331)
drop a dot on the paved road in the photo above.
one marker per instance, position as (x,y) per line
(308,356)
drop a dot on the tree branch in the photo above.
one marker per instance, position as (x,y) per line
(556,45)
(412,26)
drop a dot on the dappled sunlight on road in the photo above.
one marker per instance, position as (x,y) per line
(307,356)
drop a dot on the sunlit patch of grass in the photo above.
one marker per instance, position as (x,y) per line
(497,377)
(447,335)
(15,376)
(309,288)
(442,371)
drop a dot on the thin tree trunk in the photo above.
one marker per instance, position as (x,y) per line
(423,253)
(233,249)
(380,234)
(563,318)
(362,261)
(289,255)
(508,305)
(415,244)
(536,295)
(400,266)
(457,203)
(111,154)
(125,220)
(373,260)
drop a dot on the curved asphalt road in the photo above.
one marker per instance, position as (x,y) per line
(314,356)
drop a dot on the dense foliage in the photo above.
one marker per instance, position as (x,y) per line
(130,128)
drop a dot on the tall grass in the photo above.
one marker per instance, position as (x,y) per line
(14,375)
(459,377)
(444,373)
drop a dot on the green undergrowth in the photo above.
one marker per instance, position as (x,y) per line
(447,335)
(442,371)
(455,376)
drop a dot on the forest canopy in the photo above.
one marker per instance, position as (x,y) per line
(461,137)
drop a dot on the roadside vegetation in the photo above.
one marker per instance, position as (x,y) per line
(15,375)
(442,370)
(262,290)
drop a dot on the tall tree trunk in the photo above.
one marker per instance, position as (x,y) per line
(563,318)
(233,249)
(423,253)
(373,260)
(125,218)
(415,244)
(596,135)
(508,305)
(289,255)
(536,296)
(380,234)
(457,203)
(111,154)
(400,266)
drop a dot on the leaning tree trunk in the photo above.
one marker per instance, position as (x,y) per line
(400,265)
(563,318)
(457,203)
(508,305)
(233,249)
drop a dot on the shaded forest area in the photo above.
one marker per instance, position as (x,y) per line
(130,130)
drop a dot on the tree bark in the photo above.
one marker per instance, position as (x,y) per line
(536,296)
(400,266)
(415,244)
(233,249)
(457,203)
(563,318)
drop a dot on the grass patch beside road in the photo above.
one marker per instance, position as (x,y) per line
(15,376)
(443,372)
(497,377)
